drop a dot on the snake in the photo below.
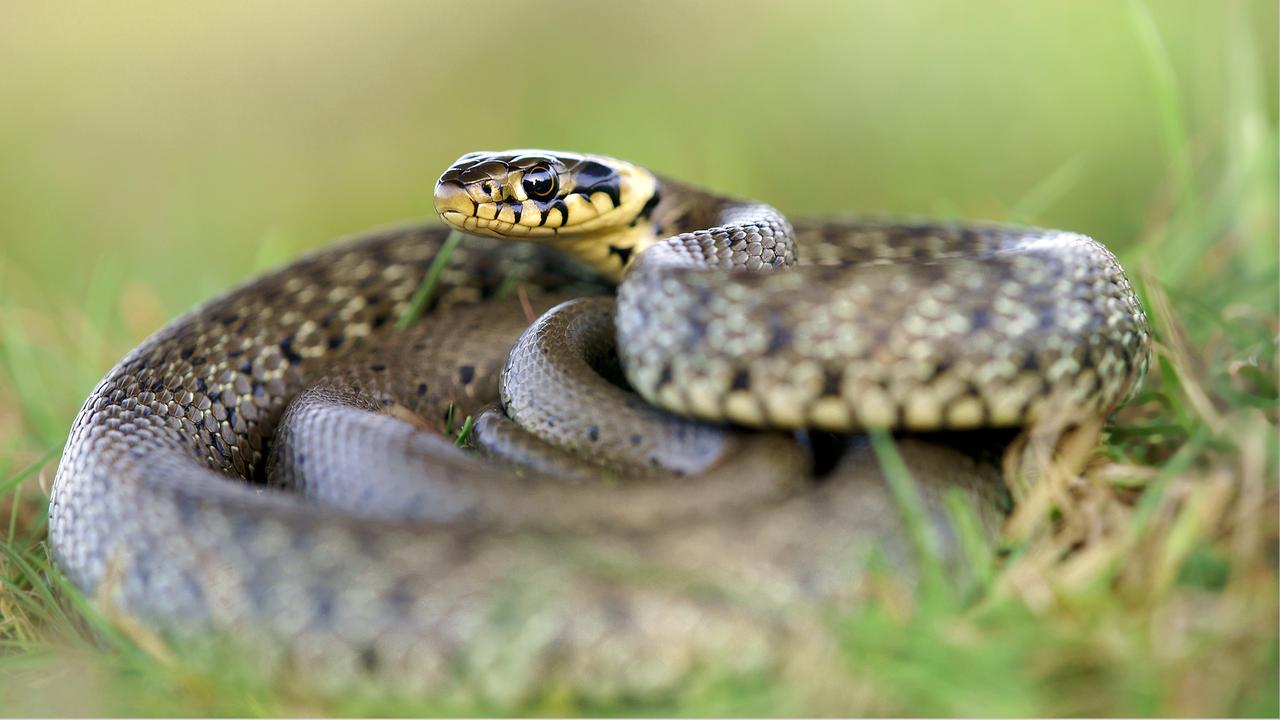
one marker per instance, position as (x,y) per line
(664,391)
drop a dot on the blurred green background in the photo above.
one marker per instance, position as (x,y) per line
(154,153)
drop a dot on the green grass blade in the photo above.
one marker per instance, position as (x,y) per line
(912,510)
(422,296)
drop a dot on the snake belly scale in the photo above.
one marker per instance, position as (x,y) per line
(272,466)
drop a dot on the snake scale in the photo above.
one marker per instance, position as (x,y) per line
(649,489)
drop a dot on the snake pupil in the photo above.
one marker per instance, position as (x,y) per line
(540,183)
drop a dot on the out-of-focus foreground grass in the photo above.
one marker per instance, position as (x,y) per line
(153,154)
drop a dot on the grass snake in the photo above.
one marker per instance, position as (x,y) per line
(653,482)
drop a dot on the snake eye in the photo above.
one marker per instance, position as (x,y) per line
(539,182)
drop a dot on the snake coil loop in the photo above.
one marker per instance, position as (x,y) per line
(274,465)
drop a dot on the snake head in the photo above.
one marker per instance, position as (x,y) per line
(584,204)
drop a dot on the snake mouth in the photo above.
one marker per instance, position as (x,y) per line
(455,206)
(473,209)
(494,228)
(452,200)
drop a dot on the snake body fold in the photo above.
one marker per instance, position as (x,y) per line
(271,464)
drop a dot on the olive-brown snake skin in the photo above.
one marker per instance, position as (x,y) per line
(272,466)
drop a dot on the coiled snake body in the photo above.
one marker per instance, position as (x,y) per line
(272,465)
